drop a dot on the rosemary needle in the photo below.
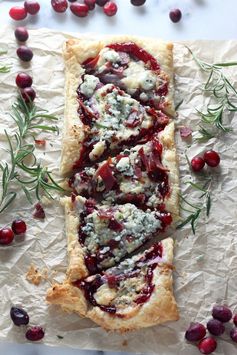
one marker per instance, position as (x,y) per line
(223,97)
(194,210)
(24,169)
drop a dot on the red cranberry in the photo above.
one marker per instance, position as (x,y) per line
(59,5)
(138,2)
(91,264)
(233,334)
(18,13)
(212,158)
(21,34)
(23,80)
(215,327)
(19,316)
(235,320)
(6,236)
(35,333)
(28,94)
(39,211)
(24,53)
(40,142)
(32,7)
(101,2)
(207,345)
(175,15)
(197,164)
(19,226)
(195,332)
(80,10)
(221,313)
(110,8)
(90,4)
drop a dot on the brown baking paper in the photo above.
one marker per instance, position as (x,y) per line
(206,263)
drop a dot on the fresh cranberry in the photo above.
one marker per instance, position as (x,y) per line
(233,334)
(138,2)
(19,226)
(175,15)
(212,158)
(32,7)
(221,313)
(28,94)
(35,333)
(21,34)
(39,211)
(235,320)
(24,53)
(195,332)
(101,2)
(207,345)
(6,236)
(80,10)
(18,13)
(23,80)
(59,5)
(40,142)
(19,316)
(197,164)
(110,8)
(90,4)
(215,327)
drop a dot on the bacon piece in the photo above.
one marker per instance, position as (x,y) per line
(105,172)
(134,120)
(185,132)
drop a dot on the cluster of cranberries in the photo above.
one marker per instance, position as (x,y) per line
(7,234)
(210,157)
(19,13)
(82,9)
(23,80)
(20,317)
(197,331)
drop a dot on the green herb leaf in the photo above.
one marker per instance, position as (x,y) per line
(24,168)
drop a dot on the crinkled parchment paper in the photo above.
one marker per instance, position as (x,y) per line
(206,264)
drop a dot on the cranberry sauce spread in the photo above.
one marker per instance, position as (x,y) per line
(132,279)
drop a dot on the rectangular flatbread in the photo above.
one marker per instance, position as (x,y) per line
(119,157)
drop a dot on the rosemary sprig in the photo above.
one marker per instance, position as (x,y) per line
(195,210)
(24,169)
(223,97)
(5,68)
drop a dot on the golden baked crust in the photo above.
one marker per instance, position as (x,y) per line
(161,306)
(76,51)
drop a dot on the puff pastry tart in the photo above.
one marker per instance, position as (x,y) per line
(118,92)
(119,155)
(135,294)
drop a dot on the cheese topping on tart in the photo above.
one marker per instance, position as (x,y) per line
(132,69)
(128,285)
(138,170)
(113,118)
(108,233)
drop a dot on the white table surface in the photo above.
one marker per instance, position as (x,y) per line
(202,19)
